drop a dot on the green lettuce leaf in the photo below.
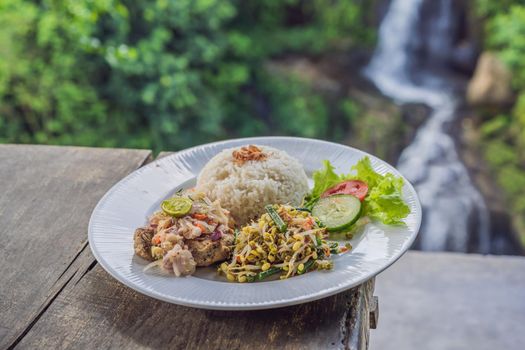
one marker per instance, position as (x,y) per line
(366,173)
(384,200)
(324,179)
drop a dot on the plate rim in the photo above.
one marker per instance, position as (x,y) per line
(248,306)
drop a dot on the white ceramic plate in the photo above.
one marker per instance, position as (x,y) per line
(127,205)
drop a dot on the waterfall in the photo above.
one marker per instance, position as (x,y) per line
(453,209)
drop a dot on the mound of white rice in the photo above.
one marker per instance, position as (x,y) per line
(246,188)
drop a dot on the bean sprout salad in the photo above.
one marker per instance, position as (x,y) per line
(285,241)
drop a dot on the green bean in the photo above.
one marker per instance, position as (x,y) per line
(308,265)
(250,278)
(281,225)
(268,273)
(320,253)
(304,209)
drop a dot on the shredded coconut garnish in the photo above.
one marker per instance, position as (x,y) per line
(248,153)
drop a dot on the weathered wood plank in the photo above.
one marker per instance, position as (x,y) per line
(97,312)
(48,194)
(100,313)
(358,323)
(374,312)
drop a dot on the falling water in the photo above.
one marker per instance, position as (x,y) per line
(453,208)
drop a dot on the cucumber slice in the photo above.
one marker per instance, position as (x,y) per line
(337,212)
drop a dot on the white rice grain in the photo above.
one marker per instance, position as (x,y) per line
(245,189)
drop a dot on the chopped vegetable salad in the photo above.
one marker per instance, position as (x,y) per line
(284,241)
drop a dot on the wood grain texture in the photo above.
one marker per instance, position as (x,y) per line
(374,312)
(47,195)
(359,320)
(101,313)
(94,311)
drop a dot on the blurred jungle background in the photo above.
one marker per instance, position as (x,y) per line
(169,74)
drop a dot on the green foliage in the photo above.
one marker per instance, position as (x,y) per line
(506,34)
(500,154)
(512,180)
(164,74)
(296,109)
(504,141)
(490,8)
(44,74)
(504,135)
(301,26)
(495,125)
(517,128)
(166,68)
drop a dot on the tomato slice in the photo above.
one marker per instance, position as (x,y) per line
(356,188)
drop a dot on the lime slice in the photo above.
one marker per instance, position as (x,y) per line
(177,206)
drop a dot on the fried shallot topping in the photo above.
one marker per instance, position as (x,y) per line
(248,153)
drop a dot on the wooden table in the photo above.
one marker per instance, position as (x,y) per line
(54,295)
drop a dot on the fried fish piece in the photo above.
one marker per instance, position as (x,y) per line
(142,242)
(206,252)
